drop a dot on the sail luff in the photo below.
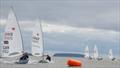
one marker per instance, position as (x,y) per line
(42,39)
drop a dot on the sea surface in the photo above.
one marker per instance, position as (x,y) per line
(61,62)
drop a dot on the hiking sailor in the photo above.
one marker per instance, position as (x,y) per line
(24,59)
(48,58)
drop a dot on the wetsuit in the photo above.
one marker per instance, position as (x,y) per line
(24,59)
(48,58)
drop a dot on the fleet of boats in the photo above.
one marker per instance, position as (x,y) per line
(13,41)
(96,54)
(13,46)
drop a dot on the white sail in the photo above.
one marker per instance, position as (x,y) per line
(95,55)
(86,52)
(110,55)
(37,40)
(12,40)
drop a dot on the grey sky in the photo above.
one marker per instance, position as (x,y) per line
(98,14)
(68,24)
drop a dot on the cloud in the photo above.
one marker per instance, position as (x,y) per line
(71,38)
(2,22)
(103,14)
(68,23)
(65,29)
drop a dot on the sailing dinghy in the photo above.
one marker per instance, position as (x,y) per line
(12,38)
(95,54)
(86,52)
(110,55)
(37,42)
(12,44)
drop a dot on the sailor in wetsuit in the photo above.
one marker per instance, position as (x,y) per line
(24,59)
(48,58)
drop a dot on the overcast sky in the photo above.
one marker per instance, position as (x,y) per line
(98,14)
(74,23)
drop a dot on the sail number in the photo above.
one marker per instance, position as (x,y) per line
(5,49)
(8,36)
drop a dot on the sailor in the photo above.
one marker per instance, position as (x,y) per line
(113,59)
(48,58)
(24,59)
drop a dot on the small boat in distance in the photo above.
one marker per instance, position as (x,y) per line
(95,54)
(86,52)
(110,55)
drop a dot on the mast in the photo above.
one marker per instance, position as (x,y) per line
(19,28)
(42,40)
(0,41)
